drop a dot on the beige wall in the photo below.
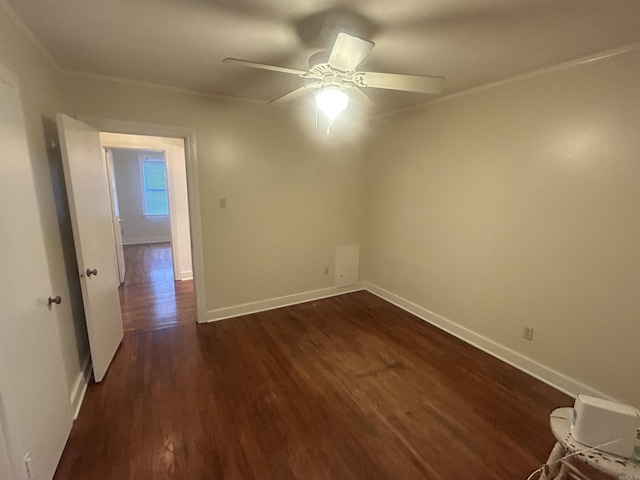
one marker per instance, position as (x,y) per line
(293,195)
(520,205)
(136,227)
(41,98)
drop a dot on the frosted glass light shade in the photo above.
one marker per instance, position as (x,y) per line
(332,102)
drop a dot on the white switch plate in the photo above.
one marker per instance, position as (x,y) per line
(527,332)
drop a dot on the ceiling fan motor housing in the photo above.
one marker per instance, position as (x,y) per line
(319,62)
(319,69)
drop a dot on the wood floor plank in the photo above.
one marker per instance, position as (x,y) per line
(349,387)
(150,298)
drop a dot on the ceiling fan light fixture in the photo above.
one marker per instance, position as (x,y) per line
(332,101)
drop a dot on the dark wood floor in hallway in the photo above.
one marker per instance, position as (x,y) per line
(349,387)
(150,298)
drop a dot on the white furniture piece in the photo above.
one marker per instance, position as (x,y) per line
(560,468)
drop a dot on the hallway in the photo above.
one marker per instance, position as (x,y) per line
(150,299)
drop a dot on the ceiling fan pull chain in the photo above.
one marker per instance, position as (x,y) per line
(318,123)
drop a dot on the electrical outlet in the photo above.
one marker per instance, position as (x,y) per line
(527,332)
(222,202)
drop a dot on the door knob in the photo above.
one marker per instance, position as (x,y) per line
(121,220)
(57,300)
(91,272)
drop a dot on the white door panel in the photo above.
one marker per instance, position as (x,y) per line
(35,410)
(87,187)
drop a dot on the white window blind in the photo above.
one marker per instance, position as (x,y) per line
(153,173)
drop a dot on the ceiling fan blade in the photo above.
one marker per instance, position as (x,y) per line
(408,83)
(264,66)
(299,92)
(348,52)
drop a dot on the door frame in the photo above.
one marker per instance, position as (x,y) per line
(5,465)
(189,136)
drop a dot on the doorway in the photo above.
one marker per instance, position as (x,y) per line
(151,230)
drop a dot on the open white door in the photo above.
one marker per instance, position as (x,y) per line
(88,191)
(115,210)
(35,412)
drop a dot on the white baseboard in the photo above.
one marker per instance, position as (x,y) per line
(278,302)
(80,387)
(543,373)
(186,275)
(142,241)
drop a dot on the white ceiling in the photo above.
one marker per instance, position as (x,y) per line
(180,43)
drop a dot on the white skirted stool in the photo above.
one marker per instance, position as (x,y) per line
(557,469)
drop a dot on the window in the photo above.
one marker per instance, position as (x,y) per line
(153,175)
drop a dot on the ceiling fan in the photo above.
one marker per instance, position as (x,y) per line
(333,72)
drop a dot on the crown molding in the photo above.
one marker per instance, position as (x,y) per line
(517,78)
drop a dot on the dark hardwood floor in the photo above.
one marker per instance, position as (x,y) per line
(150,298)
(349,387)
